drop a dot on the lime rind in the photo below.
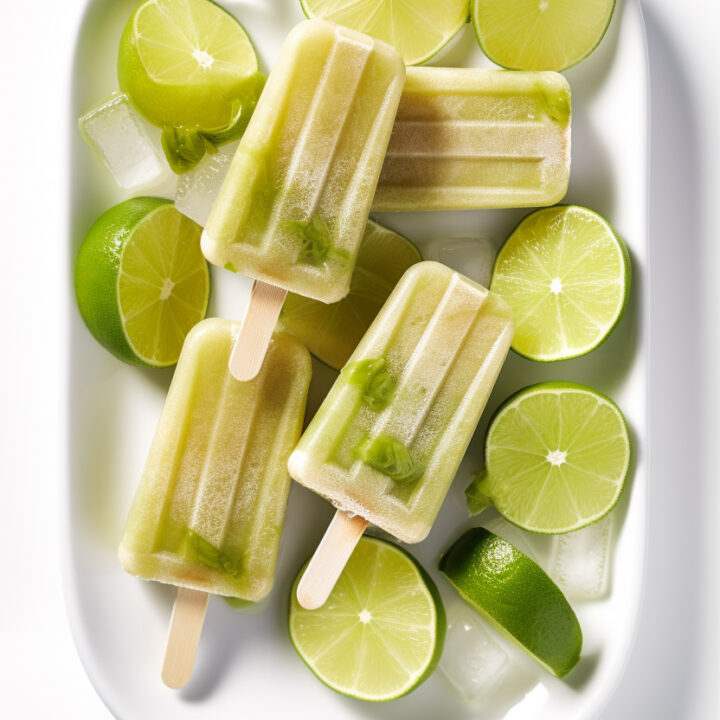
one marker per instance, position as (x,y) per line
(429,21)
(490,485)
(516,596)
(520,341)
(517,64)
(424,589)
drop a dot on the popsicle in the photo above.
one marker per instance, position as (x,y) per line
(292,210)
(389,437)
(470,138)
(209,510)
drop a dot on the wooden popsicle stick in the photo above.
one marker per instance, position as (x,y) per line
(256,330)
(186,625)
(331,556)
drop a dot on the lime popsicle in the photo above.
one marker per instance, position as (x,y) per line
(209,511)
(292,210)
(469,138)
(388,439)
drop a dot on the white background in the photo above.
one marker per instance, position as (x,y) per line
(672,674)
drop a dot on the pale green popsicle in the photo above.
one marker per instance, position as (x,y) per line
(293,207)
(470,138)
(388,439)
(209,511)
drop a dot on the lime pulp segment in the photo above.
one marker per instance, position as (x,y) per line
(540,34)
(557,455)
(517,596)
(331,332)
(566,275)
(380,633)
(418,29)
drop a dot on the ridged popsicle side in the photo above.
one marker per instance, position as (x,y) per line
(469,138)
(442,340)
(209,511)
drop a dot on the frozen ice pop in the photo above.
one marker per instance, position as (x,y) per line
(293,207)
(389,437)
(209,510)
(470,138)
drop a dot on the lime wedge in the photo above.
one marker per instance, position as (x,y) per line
(540,34)
(331,332)
(416,28)
(186,64)
(557,455)
(516,596)
(141,281)
(380,633)
(566,275)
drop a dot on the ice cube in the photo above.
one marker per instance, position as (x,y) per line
(534,546)
(580,560)
(472,257)
(122,139)
(197,189)
(472,660)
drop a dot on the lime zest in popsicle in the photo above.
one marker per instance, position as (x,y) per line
(556,105)
(317,245)
(390,457)
(207,554)
(377,383)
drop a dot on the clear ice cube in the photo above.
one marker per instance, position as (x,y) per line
(198,188)
(472,660)
(580,560)
(473,257)
(122,139)
(534,546)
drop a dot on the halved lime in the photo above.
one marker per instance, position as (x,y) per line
(517,596)
(141,281)
(331,332)
(566,275)
(416,28)
(186,64)
(381,632)
(556,458)
(540,34)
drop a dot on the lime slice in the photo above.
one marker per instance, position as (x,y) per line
(186,64)
(540,34)
(380,633)
(417,28)
(141,281)
(331,332)
(566,275)
(557,455)
(514,593)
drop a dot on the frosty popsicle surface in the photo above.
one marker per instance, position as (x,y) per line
(388,439)
(209,511)
(293,207)
(472,138)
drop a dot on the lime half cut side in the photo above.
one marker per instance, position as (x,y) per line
(516,596)
(186,64)
(141,281)
(557,456)
(565,273)
(331,332)
(540,34)
(380,633)
(418,29)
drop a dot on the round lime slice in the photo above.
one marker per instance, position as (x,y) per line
(186,64)
(141,281)
(566,275)
(331,332)
(556,455)
(540,34)
(418,29)
(380,633)
(516,596)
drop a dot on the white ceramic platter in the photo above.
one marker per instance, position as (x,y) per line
(246,666)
